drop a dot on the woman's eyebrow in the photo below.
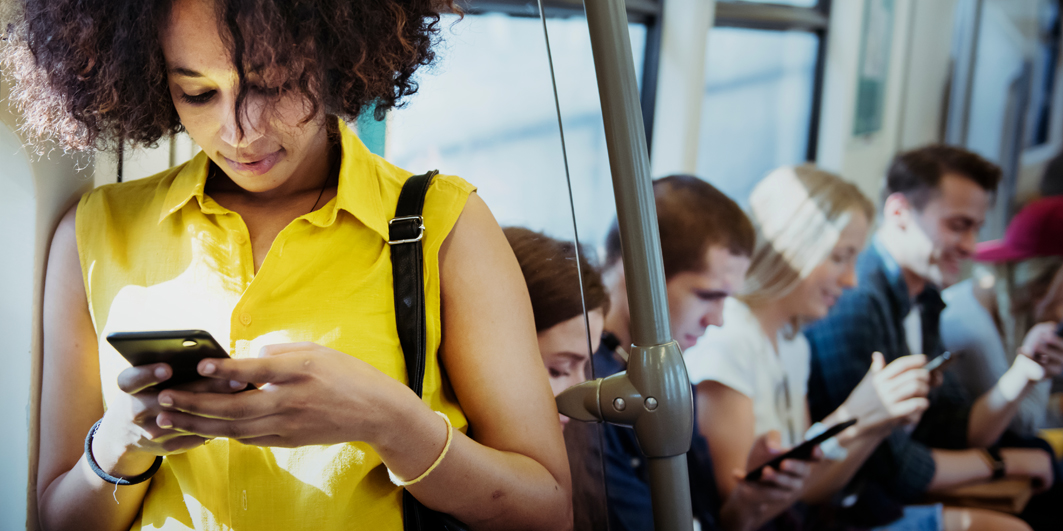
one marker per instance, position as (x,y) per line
(182,71)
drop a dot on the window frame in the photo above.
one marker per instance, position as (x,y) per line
(645,12)
(778,17)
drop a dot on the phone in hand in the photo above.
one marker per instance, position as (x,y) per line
(802,451)
(1059,329)
(182,350)
(942,362)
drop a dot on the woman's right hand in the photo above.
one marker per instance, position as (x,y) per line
(752,503)
(889,395)
(129,438)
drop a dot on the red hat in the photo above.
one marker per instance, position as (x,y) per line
(1035,231)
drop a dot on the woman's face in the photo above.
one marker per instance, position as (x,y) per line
(818,292)
(564,350)
(274,143)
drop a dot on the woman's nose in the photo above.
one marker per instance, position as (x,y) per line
(242,133)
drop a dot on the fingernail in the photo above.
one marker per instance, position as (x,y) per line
(236,385)
(209,368)
(165,400)
(163,423)
(160,372)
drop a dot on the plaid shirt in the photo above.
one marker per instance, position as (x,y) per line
(867,319)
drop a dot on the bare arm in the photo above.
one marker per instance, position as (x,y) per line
(69,494)
(725,418)
(993,412)
(491,356)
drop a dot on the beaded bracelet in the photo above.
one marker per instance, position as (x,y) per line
(446,446)
(115,479)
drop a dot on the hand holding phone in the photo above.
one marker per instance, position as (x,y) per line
(182,350)
(802,451)
(942,362)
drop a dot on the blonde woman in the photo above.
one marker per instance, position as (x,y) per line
(751,374)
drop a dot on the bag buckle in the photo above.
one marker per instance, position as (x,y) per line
(419,225)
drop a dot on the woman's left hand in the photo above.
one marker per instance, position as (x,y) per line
(308,394)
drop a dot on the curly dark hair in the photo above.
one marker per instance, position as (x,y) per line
(91,74)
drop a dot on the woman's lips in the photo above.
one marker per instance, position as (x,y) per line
(256,167)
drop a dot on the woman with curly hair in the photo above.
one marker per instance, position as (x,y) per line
(275,240)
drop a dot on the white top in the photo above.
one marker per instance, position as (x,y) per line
(913,330)
(740,356)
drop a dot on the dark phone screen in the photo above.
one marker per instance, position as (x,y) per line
(181,349)
(802,451)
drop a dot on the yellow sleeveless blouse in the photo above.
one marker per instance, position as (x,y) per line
(159,254)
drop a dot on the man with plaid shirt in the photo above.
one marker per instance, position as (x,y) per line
(937,198)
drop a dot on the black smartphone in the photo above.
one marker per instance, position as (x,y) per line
(802,451)
(941,362)
(1059,329)
(181,349)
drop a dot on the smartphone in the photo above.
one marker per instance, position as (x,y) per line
(802,451)
(1059,329)
(941,362)
(181,349)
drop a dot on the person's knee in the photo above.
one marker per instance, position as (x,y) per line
(965,519)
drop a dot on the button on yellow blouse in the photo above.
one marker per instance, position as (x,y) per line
(159,254)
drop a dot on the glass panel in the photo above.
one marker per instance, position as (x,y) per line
(757,105)
(491,88)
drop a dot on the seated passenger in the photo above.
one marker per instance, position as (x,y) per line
(275,239)
(751,373)
(566,344)
(936,202)
(1005,318)
(706,242)
(558,304)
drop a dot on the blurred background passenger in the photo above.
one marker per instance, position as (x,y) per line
(936,202)
(706,242)
(752,373)
(566,344)
(1005,317)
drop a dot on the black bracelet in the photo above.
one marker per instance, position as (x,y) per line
(999,468)
(114,479)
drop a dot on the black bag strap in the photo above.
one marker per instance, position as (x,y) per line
(405,235)
(405,232)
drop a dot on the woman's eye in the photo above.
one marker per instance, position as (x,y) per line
(554,373)
(198,99)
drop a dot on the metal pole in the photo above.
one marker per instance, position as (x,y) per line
(656,384)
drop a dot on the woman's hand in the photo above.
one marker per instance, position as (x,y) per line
(309,394)
(1045,347)
(129,437)
(889,395)
(752,503)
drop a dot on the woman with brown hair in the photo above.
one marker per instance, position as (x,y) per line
(275,239)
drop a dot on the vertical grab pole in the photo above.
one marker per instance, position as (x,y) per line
(655,366)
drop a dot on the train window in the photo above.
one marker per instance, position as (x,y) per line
(757,105)
(491,90)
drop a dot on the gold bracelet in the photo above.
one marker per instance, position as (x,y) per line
(446,446)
